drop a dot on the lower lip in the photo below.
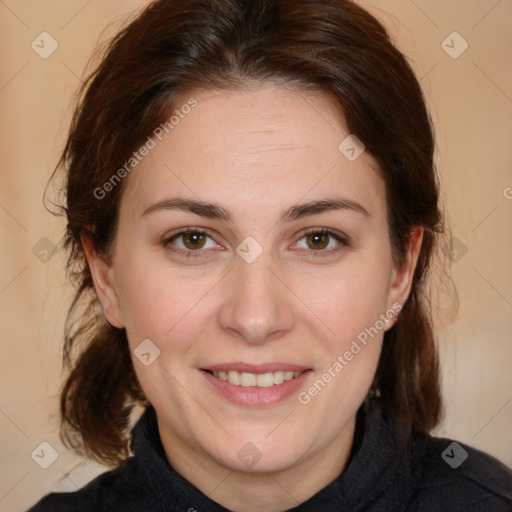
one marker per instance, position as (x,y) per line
(253,396)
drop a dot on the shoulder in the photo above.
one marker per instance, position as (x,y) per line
(457,477)
(113,490)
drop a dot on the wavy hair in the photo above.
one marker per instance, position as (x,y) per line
(172,47)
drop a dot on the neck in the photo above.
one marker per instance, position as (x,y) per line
(260,491)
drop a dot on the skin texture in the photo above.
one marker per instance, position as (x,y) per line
(256,152)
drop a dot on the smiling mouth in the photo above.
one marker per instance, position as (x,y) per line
(260,380)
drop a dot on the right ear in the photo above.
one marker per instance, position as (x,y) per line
(104,283)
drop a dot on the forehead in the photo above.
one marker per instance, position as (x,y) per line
(264,145)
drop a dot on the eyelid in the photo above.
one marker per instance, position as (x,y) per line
(168,239)
(342,238)
(343,242)
(339,237)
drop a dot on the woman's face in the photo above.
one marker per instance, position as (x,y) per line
(261,289)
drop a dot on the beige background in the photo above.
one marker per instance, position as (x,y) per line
(471,102)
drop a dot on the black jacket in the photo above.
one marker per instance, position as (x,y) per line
(427,475)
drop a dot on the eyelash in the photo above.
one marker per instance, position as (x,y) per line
(197,253)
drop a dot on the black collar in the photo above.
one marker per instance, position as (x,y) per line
(381,469)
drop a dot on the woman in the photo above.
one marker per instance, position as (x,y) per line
(252,201)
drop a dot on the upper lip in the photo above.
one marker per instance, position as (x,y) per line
(256,368)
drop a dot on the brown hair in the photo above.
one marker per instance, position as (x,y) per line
(172,47)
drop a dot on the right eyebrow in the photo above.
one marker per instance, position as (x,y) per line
(202,208)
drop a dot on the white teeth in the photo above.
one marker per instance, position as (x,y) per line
(261,380)
(234,377)
(265,380)
(247,379)
(278,377)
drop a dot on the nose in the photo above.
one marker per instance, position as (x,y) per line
(257,303)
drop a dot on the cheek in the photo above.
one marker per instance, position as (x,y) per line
(158,302)
(150,301)
(349,299)
(165,305)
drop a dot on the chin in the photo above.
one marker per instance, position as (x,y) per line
(257,454)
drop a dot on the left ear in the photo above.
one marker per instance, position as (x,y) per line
(401,278)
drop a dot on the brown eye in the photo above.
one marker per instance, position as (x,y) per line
(189,242)
(322,241)
(193,240)
(317,241)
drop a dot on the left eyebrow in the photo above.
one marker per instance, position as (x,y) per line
(315,207)
(295,212)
